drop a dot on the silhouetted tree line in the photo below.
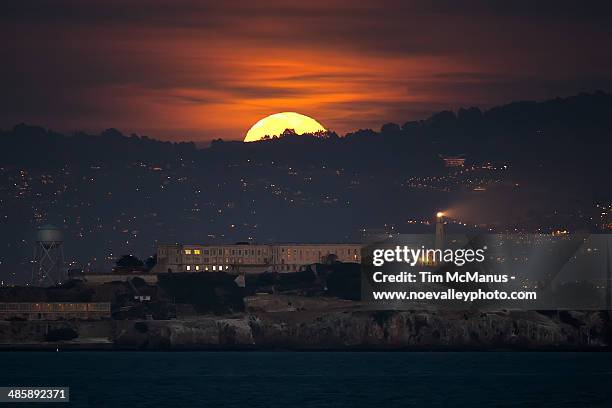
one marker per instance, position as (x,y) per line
(531,128)
(213,292)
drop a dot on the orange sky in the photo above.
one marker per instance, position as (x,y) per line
(186,70)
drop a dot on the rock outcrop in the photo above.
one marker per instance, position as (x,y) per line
(374,330)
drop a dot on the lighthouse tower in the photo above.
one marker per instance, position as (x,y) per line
(440,235)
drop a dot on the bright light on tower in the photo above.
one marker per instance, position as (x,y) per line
(440,237)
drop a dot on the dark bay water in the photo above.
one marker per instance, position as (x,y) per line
(316,379)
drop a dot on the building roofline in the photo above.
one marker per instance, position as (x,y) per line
(268,244)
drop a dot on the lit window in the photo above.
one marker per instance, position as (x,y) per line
(188,252)
(214,267)
(188,267)
(220,267)
(197,252)
(197,267)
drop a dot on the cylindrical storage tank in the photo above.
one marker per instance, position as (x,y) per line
(48,234)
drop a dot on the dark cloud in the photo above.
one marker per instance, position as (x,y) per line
(211,68)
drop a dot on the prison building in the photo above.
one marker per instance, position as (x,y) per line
(250,257)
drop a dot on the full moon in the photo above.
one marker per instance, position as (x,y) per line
(276,124)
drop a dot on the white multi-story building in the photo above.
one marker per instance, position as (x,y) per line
(250,257)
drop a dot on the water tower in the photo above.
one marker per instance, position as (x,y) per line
(48,268)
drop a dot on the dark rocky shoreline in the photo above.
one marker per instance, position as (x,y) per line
(328,330)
